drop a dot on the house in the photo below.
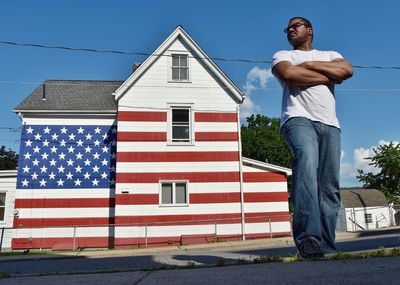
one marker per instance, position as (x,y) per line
(8,179)
(153,160)
(364,209)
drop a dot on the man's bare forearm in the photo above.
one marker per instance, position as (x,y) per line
(300,76)
(337,70)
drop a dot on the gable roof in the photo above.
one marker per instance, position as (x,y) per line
(356,198)
(92,96)
(267,166)
(180,33)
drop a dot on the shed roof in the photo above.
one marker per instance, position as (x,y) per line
(70,96)
(356,198)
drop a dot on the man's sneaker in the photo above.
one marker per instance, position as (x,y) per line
(309,249)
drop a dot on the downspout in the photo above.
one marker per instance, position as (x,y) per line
(240,174)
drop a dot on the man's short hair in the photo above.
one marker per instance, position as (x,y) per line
(306,21)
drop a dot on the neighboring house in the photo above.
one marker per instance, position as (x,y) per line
(161,149)
(364,209)
(8,181)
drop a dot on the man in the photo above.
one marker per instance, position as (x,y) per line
(312,133)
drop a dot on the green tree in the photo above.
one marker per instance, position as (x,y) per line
(8,159)
(261,140)
(387,160)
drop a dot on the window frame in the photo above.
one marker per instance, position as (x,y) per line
(368,218)
(174,182)
(170,124)
(171,67)
(3,207)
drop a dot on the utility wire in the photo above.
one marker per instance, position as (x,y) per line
(149,54)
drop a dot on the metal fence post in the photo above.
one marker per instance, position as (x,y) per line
(74,240)
(1,239)
(270,227)
(145,235)
(215,229)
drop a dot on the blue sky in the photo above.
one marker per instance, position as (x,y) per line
(364,32)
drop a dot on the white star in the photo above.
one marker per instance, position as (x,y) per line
(105,149)
(112,182)
(60,182)
(69,175)
(61,169)
(29,130)
(53,149)
(34,176)
(105,136)
(114,143)
(62,155)
(42,182)
(87,162)
(80,130)
(27,155)
(26,169)
(96,156)
(104,162)
(71,137)
(95,182)
(71,149)
(53,162)
(38,136)
(86,175)
(25,183)
(36,149)
(97,143)
(43,169)
(88,149)
(46,143)
(114,130)
(44,155)
(113,155)
(112,168)
(63,143)
(95,168)
(97,130)
(104,175)
(88,137)
(28,143)
(52,176)
(80,143)
(79,155)
(64,130)
(78,169)
(78,182)
(35,162)
(70,162)
(46,130)
(54,137)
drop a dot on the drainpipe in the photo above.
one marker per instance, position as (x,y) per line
(240,174)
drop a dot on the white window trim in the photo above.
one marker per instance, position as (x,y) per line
(173,182)
(3,221)
(170,80)
(189,106)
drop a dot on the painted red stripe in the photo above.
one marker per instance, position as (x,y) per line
(61,243)
(142,116)
(266,197)
(56,222)
(264,177)
(205,198)
(215,117)
(65,203)
(141,136)
(216,136)
(136,199)
(177,156)
(191,176)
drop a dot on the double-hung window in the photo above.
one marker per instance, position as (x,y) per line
(174,193)
(180,67)
(368,218)
(181,124)
(2,205)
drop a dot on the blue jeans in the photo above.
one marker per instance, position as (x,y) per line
(315,180)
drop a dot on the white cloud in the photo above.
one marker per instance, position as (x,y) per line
(257,78)
(348,171)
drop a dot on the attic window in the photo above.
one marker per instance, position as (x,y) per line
(180,67)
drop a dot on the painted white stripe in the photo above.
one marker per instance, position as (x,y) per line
(151,167)
(262,187)
(63,213)
(163,147)
(215,127)
(124,126)
(266,207)
(252,228)
(70,121)
(149,210)
(63,193)
(61,232)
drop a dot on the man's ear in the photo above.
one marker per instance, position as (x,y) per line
(310,31)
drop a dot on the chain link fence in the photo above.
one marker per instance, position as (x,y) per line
(144,235)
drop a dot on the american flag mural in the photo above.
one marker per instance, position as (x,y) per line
(67,157)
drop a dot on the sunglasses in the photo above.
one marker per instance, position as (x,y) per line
(294,26)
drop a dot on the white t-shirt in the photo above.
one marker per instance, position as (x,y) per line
(316,103)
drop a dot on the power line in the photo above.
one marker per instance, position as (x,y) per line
(150,54)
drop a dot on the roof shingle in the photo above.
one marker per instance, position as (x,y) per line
(360,198)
